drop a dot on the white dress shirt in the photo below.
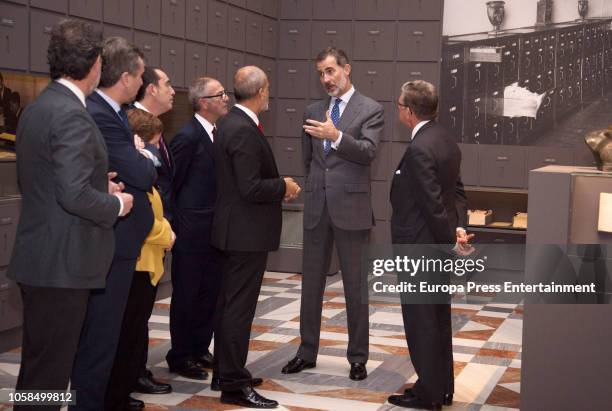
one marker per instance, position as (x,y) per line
(416,128)
(208,126)
(73,87)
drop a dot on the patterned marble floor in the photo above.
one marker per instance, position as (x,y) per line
(486,345)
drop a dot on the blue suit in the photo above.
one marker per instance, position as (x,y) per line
(100,335)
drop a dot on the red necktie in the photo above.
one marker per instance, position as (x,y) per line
(214,133)
(260,127)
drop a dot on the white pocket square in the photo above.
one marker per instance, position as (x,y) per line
(398,172)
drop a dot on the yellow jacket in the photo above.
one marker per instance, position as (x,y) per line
(151,257)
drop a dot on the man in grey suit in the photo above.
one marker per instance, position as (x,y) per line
(65,242)
(339,143)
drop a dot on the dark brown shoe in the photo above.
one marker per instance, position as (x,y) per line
(296,365)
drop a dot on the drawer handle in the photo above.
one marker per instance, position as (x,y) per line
(47,29)
(174,2)
(237,19)
(8,22)
(196,8)
(196,56)
(502,158)
(418,33)
(172,52)
(372,72)
(550,160)
(146,47)
(290,110)
(292,71)
(254,25)
(218,14)
(6,220)
(499,240)
(290,149)
(217,59)
(236,63)
(331,32)
(374,32)
(416,73)
(294,31)
(270,29)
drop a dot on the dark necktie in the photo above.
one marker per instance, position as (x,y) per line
(124,118)
(335,117)
(260,127)
(214,133)
(164,149)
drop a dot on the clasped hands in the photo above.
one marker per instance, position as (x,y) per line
(322,130)
(292,189)
(116,189)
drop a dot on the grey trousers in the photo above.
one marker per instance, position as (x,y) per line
(350,245)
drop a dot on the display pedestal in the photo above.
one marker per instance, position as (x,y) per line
(567,355)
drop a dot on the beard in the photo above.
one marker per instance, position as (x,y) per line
(339,87)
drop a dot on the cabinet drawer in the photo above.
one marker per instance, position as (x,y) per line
(14,32)
(150,46)
(290,116)
(469,164)
(195,61)
(217,23)
(269,67)
(173,60)
(119,12)
(331,33)
(296,9)
(269,37)
(270,8)
(236,37)
(254,25)
(197,15)
(333,9)
(545,156)
(419,41)
(61,6)
(416,71)
(235,60)
(374,80)
(375,40)
(502,166)
(291,82)
(288,153)
(295,39)
(41,24)
(173,18)
(376,9)
(215,65)
(255,5)
(420,9)
(148,17)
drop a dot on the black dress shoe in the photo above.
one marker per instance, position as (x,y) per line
(206,360)
(247,397)
(146,384)
(189,369)
(448,398)
(358,371)
(215,383)
(134,404)
(410,401)
(297,365)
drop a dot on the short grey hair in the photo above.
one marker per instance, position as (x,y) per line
(421,97)
(248,81)
(197,90)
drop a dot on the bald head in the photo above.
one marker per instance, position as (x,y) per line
(248,81)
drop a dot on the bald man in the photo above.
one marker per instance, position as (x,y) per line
(246,226)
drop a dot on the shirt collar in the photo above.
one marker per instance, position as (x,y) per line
(109,100)
(249,113)
(73,87)
(416,128)
(346,96)
(208,126)
(140,106)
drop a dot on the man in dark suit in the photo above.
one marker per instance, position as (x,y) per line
(429,207)
(122,68)
(339,144)
(246,225)
(155,96)
(196,274)
(64,243)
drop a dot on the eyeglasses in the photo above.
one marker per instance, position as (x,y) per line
(222,94)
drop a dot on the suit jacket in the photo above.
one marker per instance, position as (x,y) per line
(195,187)
(134,170)
(427,194)
(248,215)
(342,178)
(65,233)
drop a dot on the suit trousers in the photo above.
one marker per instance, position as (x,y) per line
(100,337)
(145,333)
(132,344)
(429,336)
(350,245)
(196,279)
(242,277)
(52,322)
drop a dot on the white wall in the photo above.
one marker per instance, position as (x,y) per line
(470,16)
